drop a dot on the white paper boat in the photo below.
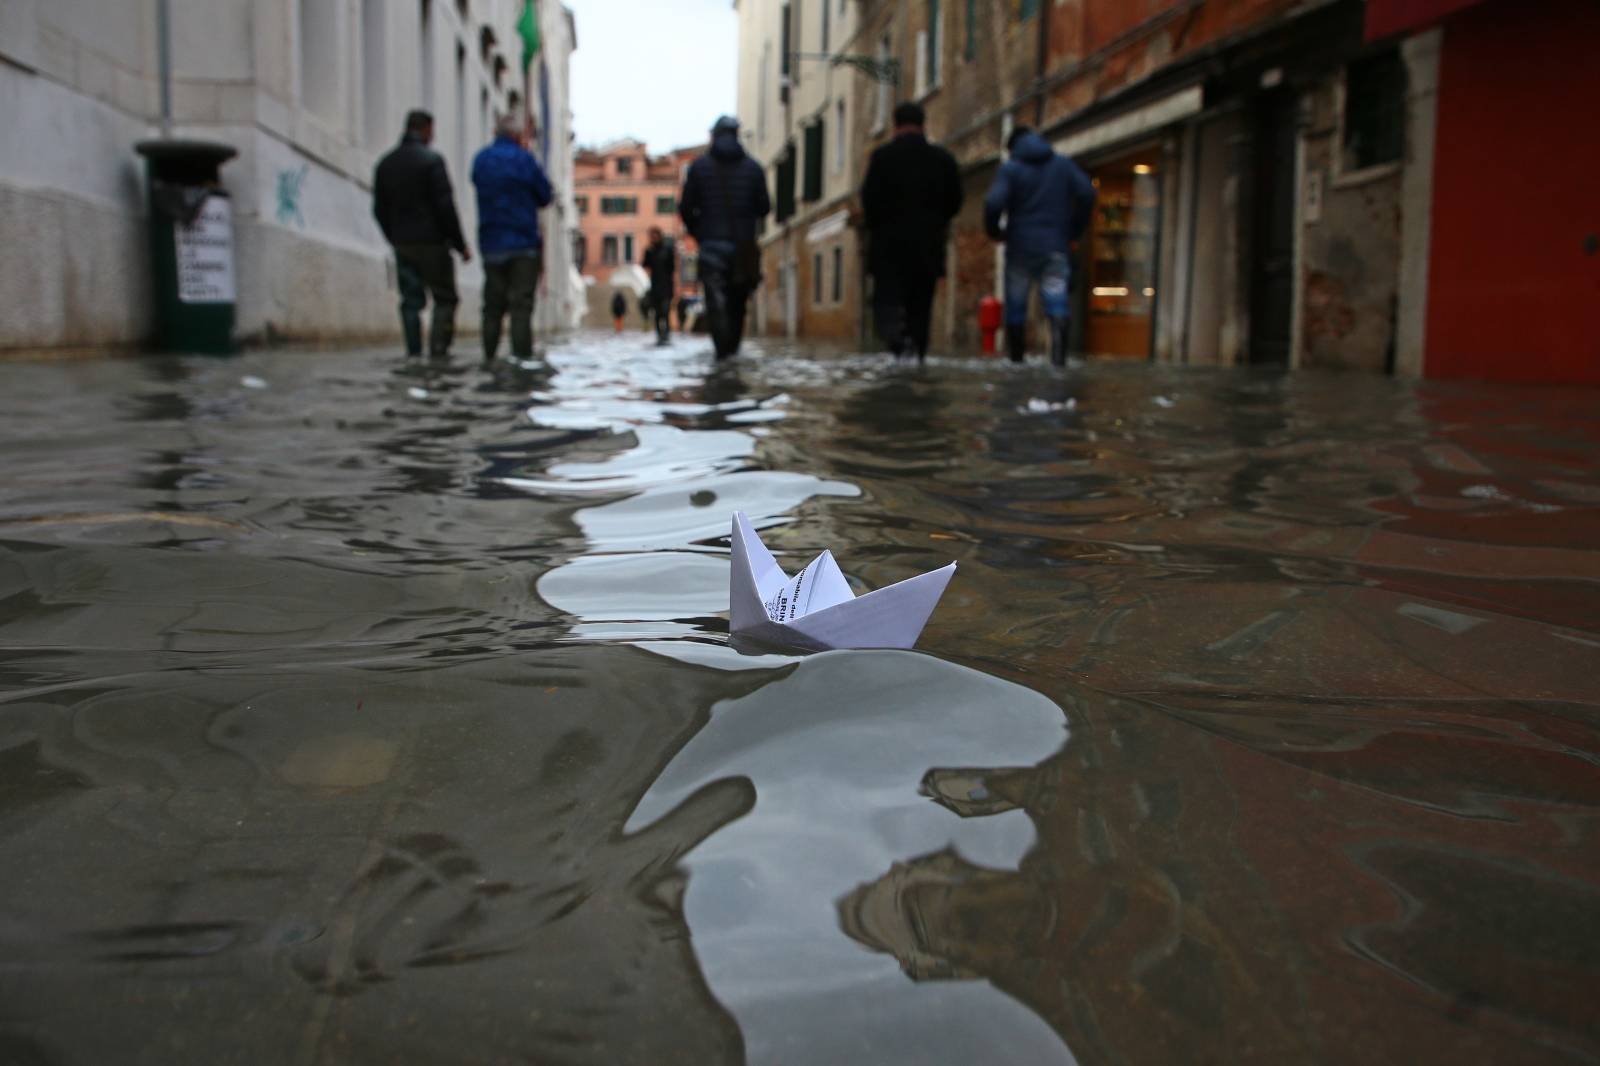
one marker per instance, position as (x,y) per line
(816,609)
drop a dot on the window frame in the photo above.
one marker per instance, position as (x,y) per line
(1343,173)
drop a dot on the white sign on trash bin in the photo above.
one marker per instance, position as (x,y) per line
(205,254)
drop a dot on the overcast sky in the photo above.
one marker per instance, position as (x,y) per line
(658,70)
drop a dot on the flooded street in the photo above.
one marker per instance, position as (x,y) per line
(355,712)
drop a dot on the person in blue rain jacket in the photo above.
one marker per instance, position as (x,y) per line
(1045,200)
(511,187)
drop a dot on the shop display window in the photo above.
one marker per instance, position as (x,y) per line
(1121,256)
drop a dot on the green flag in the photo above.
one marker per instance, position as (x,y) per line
(528,30)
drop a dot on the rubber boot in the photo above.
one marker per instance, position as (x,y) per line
(1016,342)
(1058,342)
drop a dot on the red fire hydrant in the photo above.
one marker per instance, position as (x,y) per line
(989,310)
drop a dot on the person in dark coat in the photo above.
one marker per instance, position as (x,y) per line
(619,308)
(412,201)
(511,188)
(660,259)
(911,192)
(724,196)
(1046,200)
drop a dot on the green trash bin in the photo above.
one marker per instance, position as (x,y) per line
(191,245)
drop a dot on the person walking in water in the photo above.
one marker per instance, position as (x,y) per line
(416,210)
(511,188)
(619,308)
(724,196)
(911,192)
(660,259)
(1045,200)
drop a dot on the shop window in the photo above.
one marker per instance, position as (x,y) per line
(1026,9)
(812,191)
(1374,111)
(619,205)
(971,51)
(838,274)
(666,205)
(1122,256)
(608,250)
(816,278)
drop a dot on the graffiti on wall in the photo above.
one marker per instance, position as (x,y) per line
(291,180)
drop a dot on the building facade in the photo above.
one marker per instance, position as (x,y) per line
(1280,182)
(1508,261)
(310,93)
(797,109)
(622,193)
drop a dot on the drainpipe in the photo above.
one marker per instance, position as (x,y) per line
(164,62)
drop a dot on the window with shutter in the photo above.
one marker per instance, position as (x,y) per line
(812,191)
(784,208)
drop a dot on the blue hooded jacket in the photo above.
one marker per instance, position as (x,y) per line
(511,188)
(1046,199)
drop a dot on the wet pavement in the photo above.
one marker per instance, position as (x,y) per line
(355,713)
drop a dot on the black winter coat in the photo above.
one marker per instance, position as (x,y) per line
(712,215)
(661,262)
(912,191)
(411,197)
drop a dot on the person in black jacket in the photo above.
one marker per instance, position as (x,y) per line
(724,196)
(911,192)
(416,210)
(660,259)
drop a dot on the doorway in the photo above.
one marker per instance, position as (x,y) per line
(1274,179)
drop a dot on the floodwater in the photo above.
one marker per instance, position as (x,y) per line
(361,713)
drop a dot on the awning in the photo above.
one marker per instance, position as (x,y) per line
(1388,17)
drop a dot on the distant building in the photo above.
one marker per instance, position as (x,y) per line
(622,192)
(310,93)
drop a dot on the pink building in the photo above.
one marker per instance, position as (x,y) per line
(623,191)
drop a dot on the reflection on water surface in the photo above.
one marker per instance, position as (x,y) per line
(359,712)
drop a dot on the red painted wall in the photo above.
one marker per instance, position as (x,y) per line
(1395,16)
(1512,293)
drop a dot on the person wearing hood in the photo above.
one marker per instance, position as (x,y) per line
(911,192)
(511,188)
(724,197)
(1045,200)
